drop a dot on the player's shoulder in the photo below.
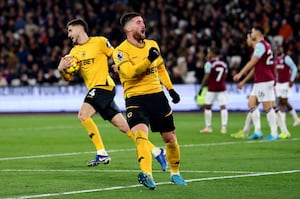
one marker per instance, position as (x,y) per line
(150,42)
(121,47)
(102,40)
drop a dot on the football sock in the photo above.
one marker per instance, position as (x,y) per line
(93,132)
(294,114)
(256,119)
(143,152)
(155,151)
(130,135)
(281,122)
(208,115)
(102,152)
(173,157)
(271,117)
(248,123)
(224,117)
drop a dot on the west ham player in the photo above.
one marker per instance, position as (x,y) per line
(215,80)
(264,80)
(286,71)
(253,116)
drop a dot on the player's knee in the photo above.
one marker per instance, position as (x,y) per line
(81,117)
(169,137)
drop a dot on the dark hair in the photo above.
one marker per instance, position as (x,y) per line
(259,29)
(80,22)
(214,50)
(127,17)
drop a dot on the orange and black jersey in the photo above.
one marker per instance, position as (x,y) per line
(93,59)
(137,74)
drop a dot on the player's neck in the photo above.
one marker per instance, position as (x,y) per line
(260,39)
(135,42)
(83,39)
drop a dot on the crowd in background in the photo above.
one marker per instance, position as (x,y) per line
(33,33)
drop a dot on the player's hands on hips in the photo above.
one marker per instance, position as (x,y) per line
(174,95)
(153,54)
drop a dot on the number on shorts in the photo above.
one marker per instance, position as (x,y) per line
(92,92)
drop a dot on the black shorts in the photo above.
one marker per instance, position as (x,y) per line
(103,102)
(152,109)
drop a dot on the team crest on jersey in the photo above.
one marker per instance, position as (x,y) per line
(108,44)
(120,56)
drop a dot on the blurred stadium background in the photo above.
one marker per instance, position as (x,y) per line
(33,37)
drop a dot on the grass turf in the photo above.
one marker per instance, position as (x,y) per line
(45,155)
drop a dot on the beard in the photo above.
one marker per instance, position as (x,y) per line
(139,36)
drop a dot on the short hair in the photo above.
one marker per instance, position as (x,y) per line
(259,29)
(127,17)
(79,22)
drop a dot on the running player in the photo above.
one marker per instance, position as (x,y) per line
(93,54)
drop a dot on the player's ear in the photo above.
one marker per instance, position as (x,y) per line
(127,28)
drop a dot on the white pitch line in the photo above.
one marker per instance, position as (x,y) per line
(160,183)
(115,171)
(133,149)
(60,154)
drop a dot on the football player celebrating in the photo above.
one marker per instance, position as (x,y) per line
(141,70)
(93,54)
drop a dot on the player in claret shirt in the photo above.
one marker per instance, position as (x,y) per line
(262,61)
(215,80)
(286,71)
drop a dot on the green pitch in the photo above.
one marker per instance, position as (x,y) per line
(44,156)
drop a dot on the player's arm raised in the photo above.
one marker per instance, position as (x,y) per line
(125,67)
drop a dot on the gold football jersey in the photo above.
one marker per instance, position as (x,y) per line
(137,74)
(93,59)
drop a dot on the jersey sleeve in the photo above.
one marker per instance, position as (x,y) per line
(164,75)
(126,68)
(259,50)
(207,67)
(107,47)
(288,60)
